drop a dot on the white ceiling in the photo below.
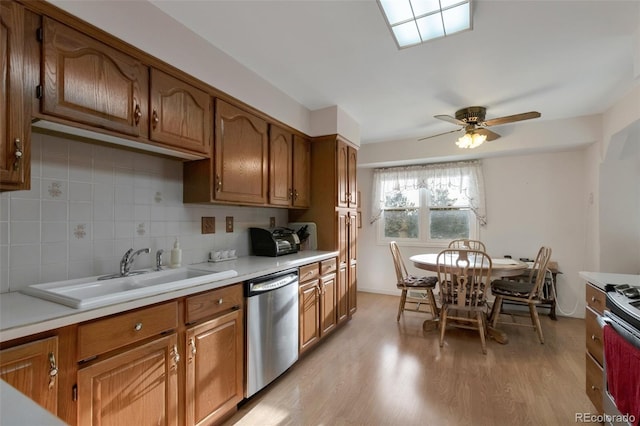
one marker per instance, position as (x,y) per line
(561,58)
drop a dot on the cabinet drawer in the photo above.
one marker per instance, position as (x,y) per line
(596,298)
(309,272)
(104,335)
(594,382)
(327,266)
(594,335)
(208,304)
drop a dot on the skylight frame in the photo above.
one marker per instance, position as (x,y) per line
(449,5)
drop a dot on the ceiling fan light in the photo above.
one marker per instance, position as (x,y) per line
(471,140)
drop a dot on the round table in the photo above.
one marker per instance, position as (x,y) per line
(499,268)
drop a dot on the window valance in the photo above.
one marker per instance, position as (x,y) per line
(465,177)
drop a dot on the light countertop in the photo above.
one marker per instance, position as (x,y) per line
(600,279)
(17,409)
(22,315)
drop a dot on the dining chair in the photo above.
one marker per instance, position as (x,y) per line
(464,277)
(468,244)
(528,290)
(407,283)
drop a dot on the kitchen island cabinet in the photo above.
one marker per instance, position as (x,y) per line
(32,369)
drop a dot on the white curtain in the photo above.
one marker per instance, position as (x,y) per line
(465,177)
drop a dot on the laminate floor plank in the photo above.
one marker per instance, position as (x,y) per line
(376,371)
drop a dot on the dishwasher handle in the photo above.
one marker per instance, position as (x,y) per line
(271,282)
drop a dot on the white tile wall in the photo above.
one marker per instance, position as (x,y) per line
(88,204)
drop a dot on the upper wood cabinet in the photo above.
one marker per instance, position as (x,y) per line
(32,369)
(86,81)
(14,158)
(181,115)
(289,169)
(347,161)
(241,155)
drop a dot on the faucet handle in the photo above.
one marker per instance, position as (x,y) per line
(159,259)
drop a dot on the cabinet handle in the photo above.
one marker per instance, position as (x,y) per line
(155,120)
(175,354)
(594,388)
(138,326)
(218,183)
(593,298)
(53,370)
(220,301)
(295,194)
(290,195)
(137,114)
(192,345)
(594,338)
(18,154)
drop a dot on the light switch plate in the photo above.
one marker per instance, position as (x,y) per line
(229,225)
(208,225)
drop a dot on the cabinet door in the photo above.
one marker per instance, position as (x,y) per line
(342,173)
(328,293)
(301,172)
(181,115)
(88,82)
(342,294)
(309,305)
(12,129)
(352,184)
(241,156)
(31,368)
(280,166)
(137,387)
(353,261)
(214,368)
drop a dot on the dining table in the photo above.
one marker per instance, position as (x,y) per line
(500,267)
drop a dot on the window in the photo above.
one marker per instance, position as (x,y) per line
(429,204)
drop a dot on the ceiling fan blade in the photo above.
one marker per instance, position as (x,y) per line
(511,118)
(440,134)
(450,119)
(491,136)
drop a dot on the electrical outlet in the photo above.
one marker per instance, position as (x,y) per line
(229,223)
(272,222)
(208,225)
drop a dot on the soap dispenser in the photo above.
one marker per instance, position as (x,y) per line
(176,254)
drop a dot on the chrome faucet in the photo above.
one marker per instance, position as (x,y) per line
(159,260)
(127,260)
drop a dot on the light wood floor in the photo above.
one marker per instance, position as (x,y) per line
(375,371)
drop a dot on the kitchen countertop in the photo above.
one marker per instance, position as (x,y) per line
(17,409)
(600,279)
(22,315)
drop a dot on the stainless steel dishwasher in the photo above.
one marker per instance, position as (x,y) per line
(272,327)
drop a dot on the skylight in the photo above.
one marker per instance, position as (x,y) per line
(415,21)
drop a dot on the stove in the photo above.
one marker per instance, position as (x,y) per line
(623,300)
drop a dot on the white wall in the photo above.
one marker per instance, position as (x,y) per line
(532,200)
(88,204)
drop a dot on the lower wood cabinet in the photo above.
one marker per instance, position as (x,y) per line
(32,369)
(594,356)
(136,387)
(214,368)
(317,302)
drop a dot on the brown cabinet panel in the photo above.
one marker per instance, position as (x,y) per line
(352,182)
(214,368)
(213,302)
(106,334)
(88,82)
(309,301)
(594,382)
(14,145)
(594,337)
(137,387)
(328,294)
(241,156)
(181,115)
(280,166)
(342,294)
(301,172)
(596,298)
(27,368)
(342,174)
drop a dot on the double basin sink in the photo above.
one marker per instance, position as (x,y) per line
(93,292)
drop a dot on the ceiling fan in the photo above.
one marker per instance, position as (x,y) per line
(472,120)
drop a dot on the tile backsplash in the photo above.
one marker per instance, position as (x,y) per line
(88,204)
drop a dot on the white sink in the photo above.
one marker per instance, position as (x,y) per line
(92,292)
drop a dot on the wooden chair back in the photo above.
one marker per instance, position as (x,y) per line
(398,262)
(468,244)
(538,273)
(464,277)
